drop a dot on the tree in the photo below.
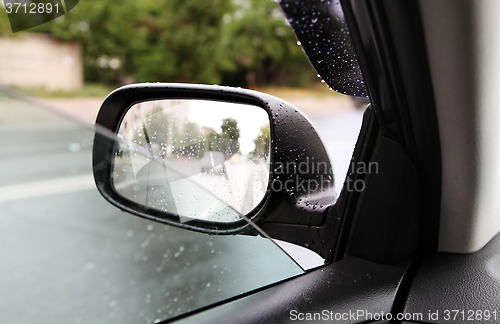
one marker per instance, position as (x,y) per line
(262,143)
(209,41)
(230,137)
(263,45)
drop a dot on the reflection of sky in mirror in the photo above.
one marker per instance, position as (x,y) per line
(250,118)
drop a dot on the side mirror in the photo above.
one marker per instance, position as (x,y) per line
(201,157)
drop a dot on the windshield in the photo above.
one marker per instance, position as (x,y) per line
(68,256)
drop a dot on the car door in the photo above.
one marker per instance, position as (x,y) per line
(373,234)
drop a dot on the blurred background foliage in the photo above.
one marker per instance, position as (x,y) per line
(244,43)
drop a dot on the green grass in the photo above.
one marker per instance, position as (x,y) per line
(88,90)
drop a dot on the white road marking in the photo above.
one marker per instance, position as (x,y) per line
(45,188)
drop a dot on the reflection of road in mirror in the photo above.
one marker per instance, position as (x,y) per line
(160,187)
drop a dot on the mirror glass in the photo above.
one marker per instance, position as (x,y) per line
(198,159)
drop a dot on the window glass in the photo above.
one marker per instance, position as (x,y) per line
(69,256)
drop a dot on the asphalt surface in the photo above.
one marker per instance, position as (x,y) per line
(68,256)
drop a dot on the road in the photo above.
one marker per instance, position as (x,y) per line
(68,256)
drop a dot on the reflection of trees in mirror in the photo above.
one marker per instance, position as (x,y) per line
(172,136)
(227,141)
(177,138)
(262,143)
(230,137)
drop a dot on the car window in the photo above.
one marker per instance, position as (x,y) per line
(71,253)
(68,256)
